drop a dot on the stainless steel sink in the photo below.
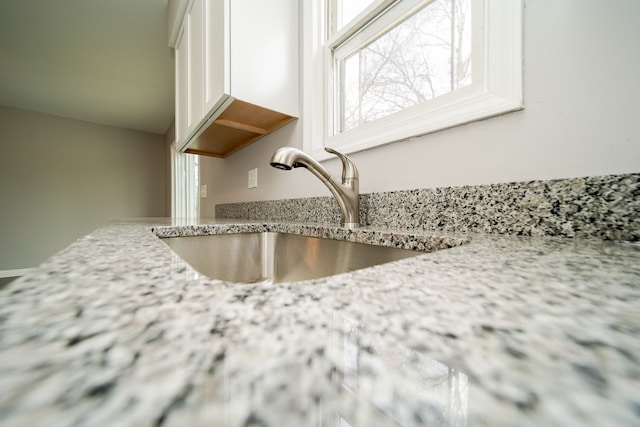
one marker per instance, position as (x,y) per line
(278,257)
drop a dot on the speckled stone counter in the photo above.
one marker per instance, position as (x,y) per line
(602,207)
(116,330)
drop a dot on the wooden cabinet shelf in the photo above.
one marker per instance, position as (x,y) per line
(239,125)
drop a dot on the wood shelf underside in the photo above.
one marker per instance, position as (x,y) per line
(238,126)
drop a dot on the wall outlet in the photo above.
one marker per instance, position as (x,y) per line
(253,178)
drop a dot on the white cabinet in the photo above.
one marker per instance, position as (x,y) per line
(181,87)
(216,55)
(189,73)
(236,73)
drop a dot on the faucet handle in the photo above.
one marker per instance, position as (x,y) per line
(349,170)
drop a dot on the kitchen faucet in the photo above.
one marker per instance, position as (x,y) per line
(346,194)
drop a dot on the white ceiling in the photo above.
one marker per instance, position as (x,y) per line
(102,61)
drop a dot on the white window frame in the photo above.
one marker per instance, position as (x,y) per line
(185,200)
(496,86)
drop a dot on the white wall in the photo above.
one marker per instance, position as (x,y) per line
(581,118)
(62,178)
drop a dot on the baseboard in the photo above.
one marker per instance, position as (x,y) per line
(14,273)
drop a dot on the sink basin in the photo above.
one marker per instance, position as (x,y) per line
(278,257)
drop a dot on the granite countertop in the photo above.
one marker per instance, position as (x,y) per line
(116,330)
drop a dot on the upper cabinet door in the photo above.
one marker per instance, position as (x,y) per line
(189,72)
(181,77)
(194,30)
(216,54)
(264,53)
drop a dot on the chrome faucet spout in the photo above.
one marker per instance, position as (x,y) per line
(345,193)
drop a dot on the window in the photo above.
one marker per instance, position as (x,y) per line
(380,71)
(387,66)
(184,184)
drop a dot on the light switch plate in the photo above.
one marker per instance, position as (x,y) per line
(203,191)
(253,178)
